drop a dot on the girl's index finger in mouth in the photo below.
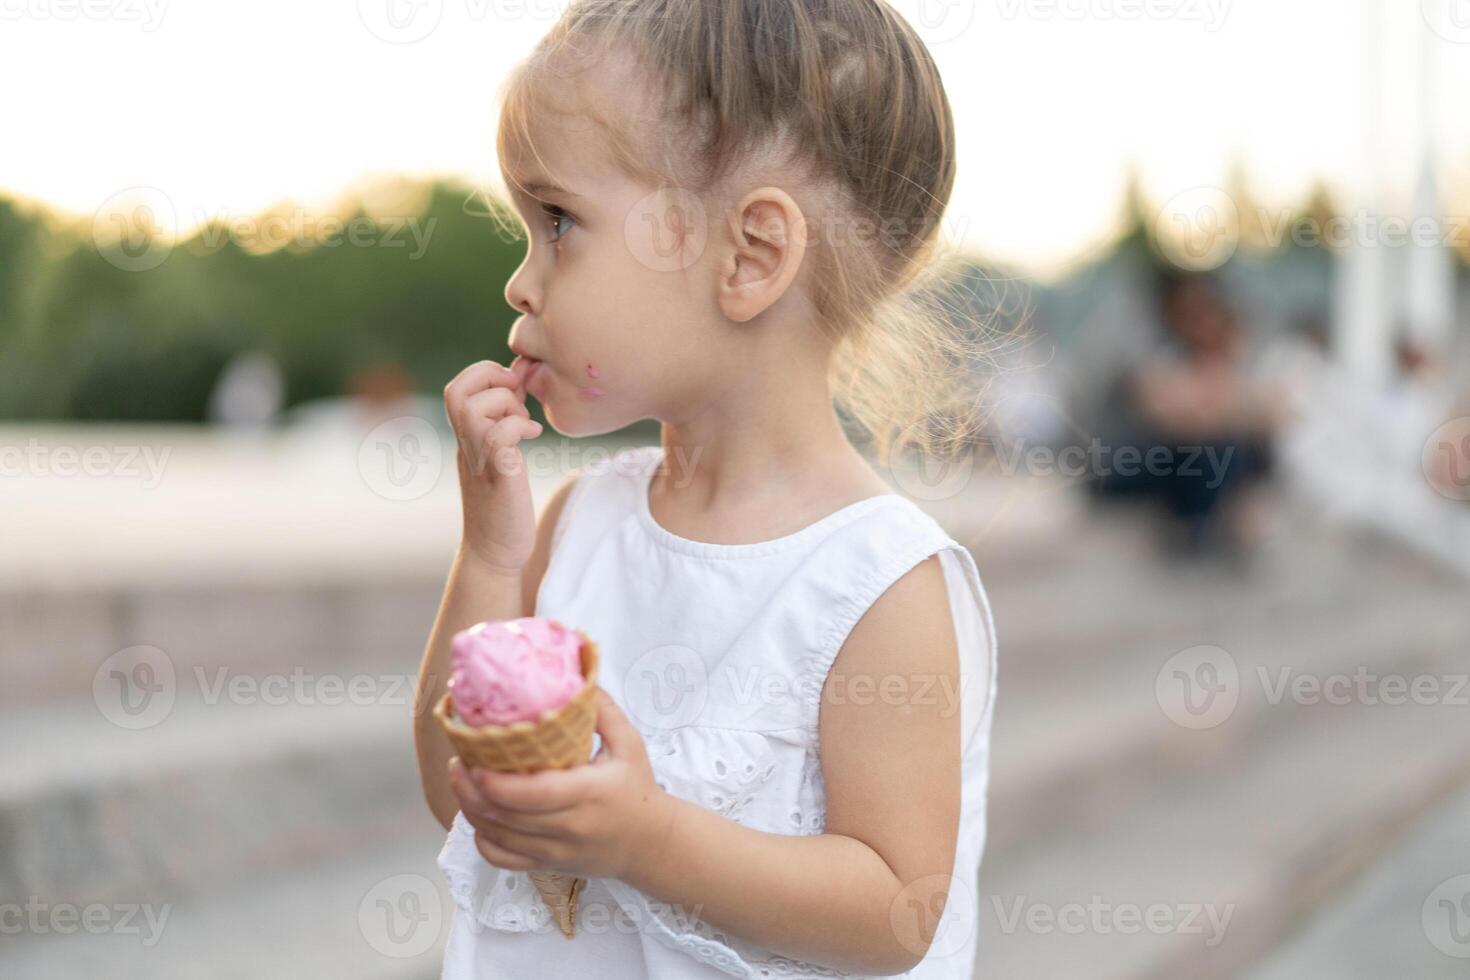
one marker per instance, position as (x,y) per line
(518,368)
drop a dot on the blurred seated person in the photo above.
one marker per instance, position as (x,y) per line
(1447,459)
(1202,428)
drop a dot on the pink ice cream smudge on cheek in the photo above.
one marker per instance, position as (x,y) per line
(592,391)
(513,670)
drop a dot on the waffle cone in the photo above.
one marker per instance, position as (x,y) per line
(560,739)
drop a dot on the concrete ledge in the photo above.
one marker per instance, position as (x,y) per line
(210,794)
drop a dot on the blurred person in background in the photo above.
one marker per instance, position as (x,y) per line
(1419,438)
(249,393)
(1202,426)
(1449,466)
(379,392)
(1416,401)
(1394,458)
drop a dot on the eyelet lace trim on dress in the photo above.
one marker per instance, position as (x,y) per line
(490,897)
(727,782)
(728,774)
(728,778)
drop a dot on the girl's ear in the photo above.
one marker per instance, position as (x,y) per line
(767,242)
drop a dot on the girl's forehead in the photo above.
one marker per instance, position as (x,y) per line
(577,121)
(576,152)
(565,160)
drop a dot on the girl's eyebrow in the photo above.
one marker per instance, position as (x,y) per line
(536,188)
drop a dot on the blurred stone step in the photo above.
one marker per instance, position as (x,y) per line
(380,913)
(1259,822)
(90,811)
(195,505)
(350,585)
(1407,915)
(1075,615)
(377,618)
(1060,739)
(57,640)
(1061,535)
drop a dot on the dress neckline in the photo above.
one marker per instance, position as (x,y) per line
(653,460)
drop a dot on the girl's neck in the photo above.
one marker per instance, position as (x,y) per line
(758,480)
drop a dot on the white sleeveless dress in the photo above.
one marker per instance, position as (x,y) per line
(718,654)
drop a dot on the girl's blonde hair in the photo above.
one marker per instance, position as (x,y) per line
(843,89)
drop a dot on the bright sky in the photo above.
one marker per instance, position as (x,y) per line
(232,107)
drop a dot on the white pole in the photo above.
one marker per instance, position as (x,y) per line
(1431,271)
(1360,292)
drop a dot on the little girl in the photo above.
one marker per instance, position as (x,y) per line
(728,205)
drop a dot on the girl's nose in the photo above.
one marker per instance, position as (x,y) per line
(521,293)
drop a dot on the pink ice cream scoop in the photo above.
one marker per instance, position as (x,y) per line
(513,669)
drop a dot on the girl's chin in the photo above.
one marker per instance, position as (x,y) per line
(581,421)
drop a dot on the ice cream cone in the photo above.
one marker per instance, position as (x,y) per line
(560,739)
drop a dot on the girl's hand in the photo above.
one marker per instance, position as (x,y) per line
(595,820)
(486,405)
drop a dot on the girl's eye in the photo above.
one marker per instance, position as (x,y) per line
(557,215)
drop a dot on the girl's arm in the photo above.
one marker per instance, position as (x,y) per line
(867,894)
(474,593)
